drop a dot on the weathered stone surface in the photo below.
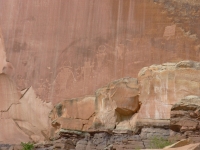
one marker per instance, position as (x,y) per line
(54,48)
(30,114)
(74,114)
(161,86)
(11,133)
(129,124)
(116,102)
(23,116)
(185,115)
(8,92)
(2,53)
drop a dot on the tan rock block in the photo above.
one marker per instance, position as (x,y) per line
(116,101)
(67,123)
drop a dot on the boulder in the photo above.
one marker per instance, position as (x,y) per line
(74,114)
(116,102)
(185,115)
(161,86)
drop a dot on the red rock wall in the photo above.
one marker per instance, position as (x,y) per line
(69,48)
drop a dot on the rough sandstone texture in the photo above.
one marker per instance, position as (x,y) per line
(54,48)
(2,53)
(185,115)
(116,103)
(74,114)
(161,86)
(115,106)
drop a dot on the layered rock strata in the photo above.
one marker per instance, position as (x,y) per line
(74,114)
(185,116)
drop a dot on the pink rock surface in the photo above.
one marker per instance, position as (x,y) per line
(2,53)
(8,92)
(23,116)
(11,133)
(79,46)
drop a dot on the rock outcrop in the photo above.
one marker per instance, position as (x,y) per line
(74,114)
(185,116)
(161,86)
(116,103)
(114,107)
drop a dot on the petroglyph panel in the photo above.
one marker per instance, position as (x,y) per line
(70,48)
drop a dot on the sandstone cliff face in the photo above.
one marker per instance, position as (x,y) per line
(78,47)
(2,53)
(70,48)
(161,86)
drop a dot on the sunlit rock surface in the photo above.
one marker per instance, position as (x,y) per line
(69,48)
(114,107)
(116,102)
(73,114)
(79,46)
(24,117)
(161,86)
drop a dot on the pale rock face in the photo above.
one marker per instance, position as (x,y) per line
(8,92)
(23,115)
(11,133)
(2,53)
(161,86)
(54,49)
(30,114)
(74,114)
(117,100)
